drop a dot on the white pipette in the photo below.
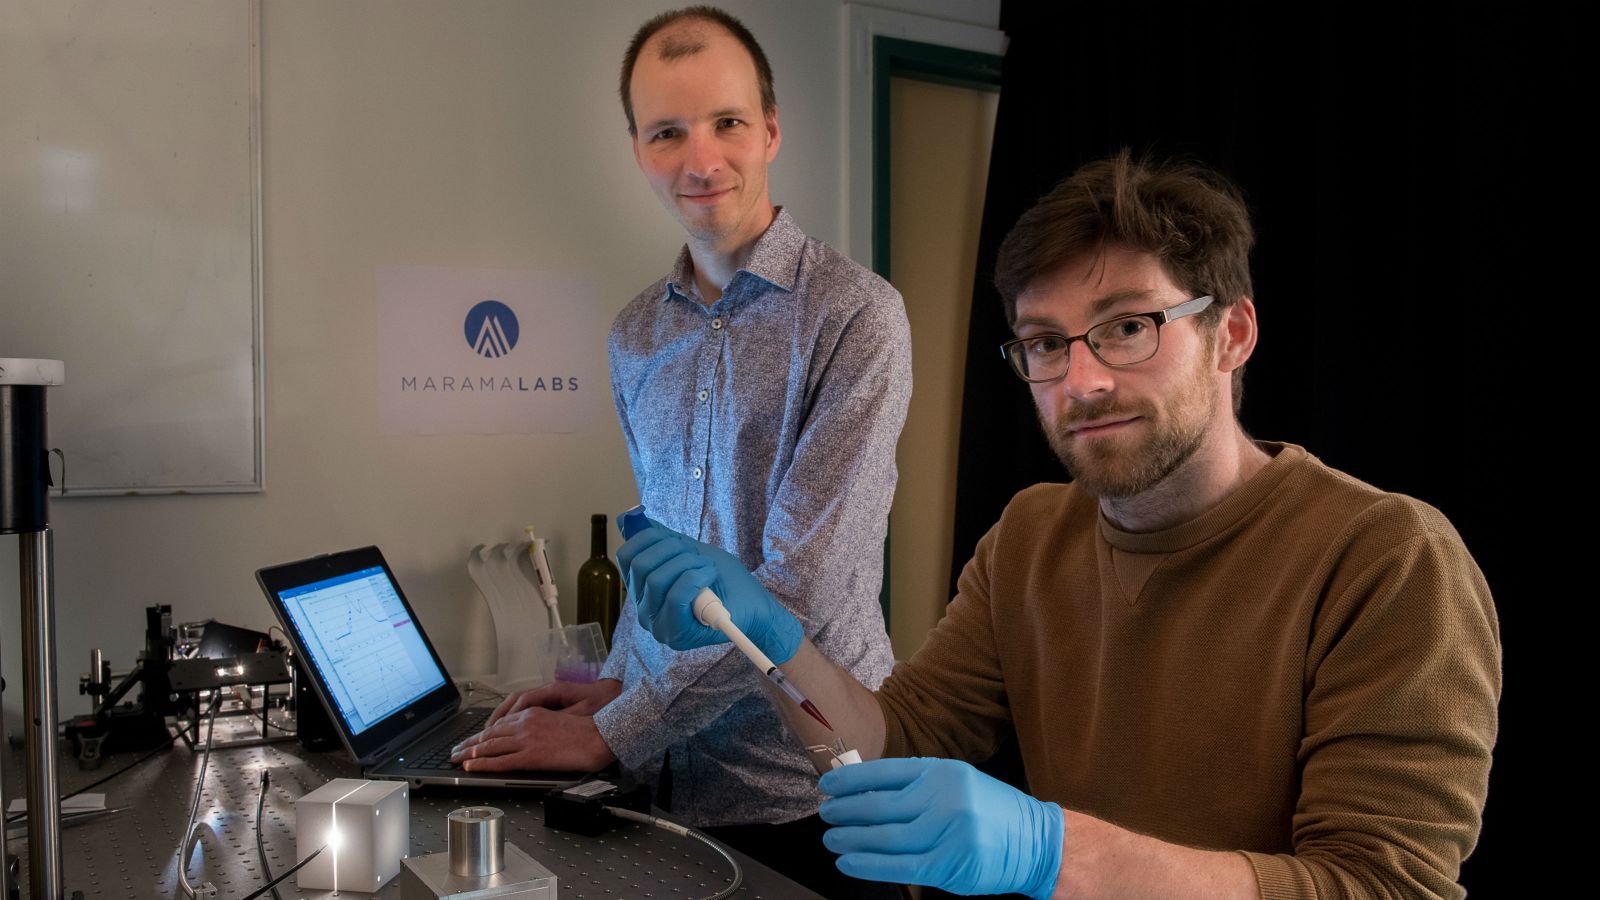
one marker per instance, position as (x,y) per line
(710,612)
(547,583)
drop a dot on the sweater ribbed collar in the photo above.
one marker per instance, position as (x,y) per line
(1234,508)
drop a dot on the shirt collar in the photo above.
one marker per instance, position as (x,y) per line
(774,259)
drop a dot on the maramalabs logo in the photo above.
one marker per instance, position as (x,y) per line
(491,330)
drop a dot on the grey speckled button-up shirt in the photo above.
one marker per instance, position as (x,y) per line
(766,425)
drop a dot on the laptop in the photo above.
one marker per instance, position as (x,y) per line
(369,659)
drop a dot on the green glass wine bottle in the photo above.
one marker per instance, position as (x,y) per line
(599,582)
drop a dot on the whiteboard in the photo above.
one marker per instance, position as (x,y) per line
(130,235)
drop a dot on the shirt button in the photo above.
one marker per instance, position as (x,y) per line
(716,324)
(704,395)
(696,472)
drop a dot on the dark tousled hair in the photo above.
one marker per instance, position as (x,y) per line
(677,48)
(1188,216)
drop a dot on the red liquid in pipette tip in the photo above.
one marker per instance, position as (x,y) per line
(811,710)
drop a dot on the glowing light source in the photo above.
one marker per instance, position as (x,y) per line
(364,846)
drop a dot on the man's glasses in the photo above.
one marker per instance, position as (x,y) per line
(1122,341)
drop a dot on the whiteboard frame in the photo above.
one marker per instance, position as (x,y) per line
(257,321)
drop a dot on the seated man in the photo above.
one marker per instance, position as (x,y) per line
(1239,673)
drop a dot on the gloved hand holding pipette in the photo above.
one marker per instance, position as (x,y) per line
(678,584)
(912,821)
(666,572)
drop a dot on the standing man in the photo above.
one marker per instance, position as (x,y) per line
(761,388)
(1232,670)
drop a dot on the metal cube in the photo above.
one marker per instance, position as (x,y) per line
(366,826)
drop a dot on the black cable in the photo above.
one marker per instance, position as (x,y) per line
(171,739)
(261,849)
(164,745)
(273,884)
(473,688)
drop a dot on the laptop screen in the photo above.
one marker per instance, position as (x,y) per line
(364,644)
(362,648)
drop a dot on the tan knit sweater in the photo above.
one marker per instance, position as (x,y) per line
(1309,672)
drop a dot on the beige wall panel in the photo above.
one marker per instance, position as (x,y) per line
(940,162)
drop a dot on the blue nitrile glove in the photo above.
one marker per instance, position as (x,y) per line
(942,823)
(665,572)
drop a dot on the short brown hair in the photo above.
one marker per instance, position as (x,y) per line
(1188,216)
(677,50)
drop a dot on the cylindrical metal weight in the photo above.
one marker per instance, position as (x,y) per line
(477,841)
(24,468)
(24,464)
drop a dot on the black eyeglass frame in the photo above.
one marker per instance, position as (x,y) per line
(1160,317)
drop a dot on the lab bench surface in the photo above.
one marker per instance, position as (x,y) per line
(133,853)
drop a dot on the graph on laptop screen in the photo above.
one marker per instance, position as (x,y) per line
(364,644)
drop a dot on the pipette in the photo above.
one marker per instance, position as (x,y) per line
(710,612)
(547,582)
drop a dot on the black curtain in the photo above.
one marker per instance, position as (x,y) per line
(1391,162)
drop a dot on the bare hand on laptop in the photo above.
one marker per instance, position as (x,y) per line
(563,696)
(548,727)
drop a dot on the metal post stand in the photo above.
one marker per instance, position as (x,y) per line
(5,852)
(24,511)
(39,690)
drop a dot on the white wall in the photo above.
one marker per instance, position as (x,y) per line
(477,135)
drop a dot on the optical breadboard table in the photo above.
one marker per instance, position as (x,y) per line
(133,853)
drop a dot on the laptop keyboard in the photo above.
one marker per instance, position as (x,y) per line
(437,755)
